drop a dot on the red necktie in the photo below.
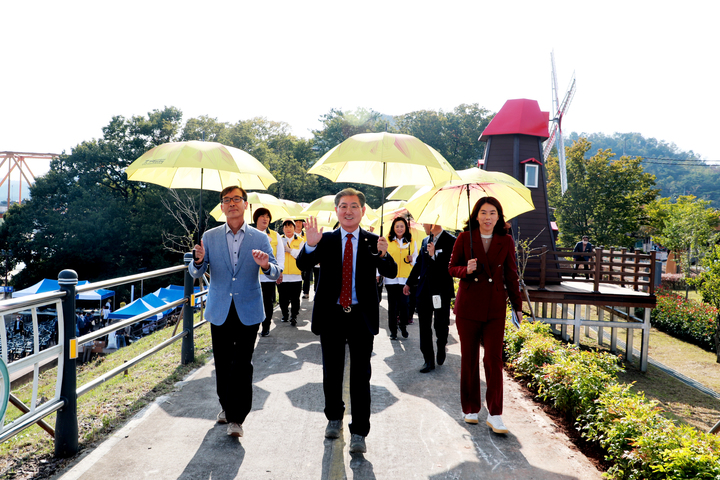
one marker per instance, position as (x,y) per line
(347,272)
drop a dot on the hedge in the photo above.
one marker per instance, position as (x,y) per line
(638,439)
(685,319)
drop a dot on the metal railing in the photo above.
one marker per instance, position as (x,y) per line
(64,401)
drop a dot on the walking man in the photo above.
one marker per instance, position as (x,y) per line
(434,290)
(233,253)
(346,309)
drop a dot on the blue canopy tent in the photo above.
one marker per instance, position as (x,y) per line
(47,285)
(172,293)
(138,307)
(156,301)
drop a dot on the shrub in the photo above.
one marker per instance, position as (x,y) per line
(673,281)
(685,319)
(638,439)
(575,380)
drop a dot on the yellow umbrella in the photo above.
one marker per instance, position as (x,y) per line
(203,165)
(403,192)
(449,205)
(278,208)
(384,159)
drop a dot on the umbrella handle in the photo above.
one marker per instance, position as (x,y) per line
(473,275)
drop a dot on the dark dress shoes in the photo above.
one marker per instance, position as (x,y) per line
(427,367)
(441,356)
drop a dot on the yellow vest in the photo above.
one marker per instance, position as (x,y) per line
(290,264)
(274,238)
(399,255)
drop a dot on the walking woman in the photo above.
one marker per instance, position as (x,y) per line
(262,218)
(289,284)
(402,249)
(484,260)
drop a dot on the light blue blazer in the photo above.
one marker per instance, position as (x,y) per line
(242,284)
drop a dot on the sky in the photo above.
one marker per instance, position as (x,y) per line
(69,67)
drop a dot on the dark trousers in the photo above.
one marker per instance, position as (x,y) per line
(289,293)
(233,346)
(306,276)
(316,276)
(268,293)
(441,324)
(412,302)
(577,266)
(397,306)
(349,329)
(490,335)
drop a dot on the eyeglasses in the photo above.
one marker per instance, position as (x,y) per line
(227,200)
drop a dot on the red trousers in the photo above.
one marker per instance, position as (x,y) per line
(490,335)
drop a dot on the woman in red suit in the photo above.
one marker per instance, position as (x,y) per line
(488,276)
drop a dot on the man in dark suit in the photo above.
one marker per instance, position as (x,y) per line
(431,277)
(584,248)
(346,309)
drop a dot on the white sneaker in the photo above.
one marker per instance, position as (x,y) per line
(495,422)
(234,429)
(470,418)
(221,418)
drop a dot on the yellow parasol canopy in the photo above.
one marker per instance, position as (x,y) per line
(448,205)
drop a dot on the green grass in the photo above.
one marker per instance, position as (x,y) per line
(108,406)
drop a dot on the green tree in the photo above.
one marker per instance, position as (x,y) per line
(84,214)
(686,227)
(691,176)
(708,284)
(454,134)
(605,199)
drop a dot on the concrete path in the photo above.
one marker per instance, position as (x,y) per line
(417,431)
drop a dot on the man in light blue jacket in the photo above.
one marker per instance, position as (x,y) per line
(235,253)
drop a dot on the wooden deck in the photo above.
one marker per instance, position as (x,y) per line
(576,292)
(617,284)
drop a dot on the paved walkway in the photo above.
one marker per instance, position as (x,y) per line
(417,431)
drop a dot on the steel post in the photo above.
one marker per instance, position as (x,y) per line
(188,344)
(66,424)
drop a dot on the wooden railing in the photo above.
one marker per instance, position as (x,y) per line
(616,267)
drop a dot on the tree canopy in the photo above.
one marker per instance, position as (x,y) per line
(676,172)
(686,226)
(605,199)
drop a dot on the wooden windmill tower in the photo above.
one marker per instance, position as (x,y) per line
(514,146)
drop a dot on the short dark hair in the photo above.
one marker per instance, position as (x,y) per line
(229,189)
(348,192)
(260,212)
(288,222)
(407,236)
(472,222)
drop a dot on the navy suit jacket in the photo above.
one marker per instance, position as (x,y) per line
(431,275)
(328,252)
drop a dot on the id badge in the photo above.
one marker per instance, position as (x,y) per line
(437,302)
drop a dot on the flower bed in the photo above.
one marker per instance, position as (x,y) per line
(685,319)
(640,442)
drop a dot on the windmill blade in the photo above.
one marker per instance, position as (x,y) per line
(550,141)
(561,161)
(568,98)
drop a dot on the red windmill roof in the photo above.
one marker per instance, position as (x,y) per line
(521,116)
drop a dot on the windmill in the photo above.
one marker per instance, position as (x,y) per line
(560,110)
